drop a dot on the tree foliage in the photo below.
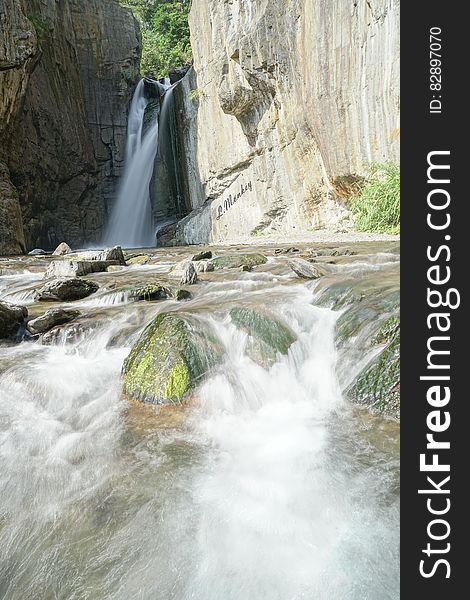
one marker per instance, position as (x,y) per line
(165,34)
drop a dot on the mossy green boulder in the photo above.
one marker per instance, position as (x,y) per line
(378,384)
(173,353)
(268,335)
(235,261)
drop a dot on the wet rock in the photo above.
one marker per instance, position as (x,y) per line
(70,333)
(50,319)
(66,289)
(12,318)
(141,259)
(37,252)
(246,268)
(112,255)
(62,249)
(77,268)
(166,235)
(203,266)
(185,271)
(378,385)
(181,295)
(304,269)
(235,261)
(170,357)
(149,291)
(204,255)
(268,335)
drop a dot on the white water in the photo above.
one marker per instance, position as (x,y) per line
(131,223)
(268,493)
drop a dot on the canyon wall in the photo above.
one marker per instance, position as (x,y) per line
(67,73)
(285,109)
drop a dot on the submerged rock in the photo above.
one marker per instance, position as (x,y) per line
(68,333)
(304,269)
(12,317)
(62,249)
(66,289)
(37,252)
(181,295)
(51,318)
(185,271)
(268,335)
(378,384)
(171,355)
(235,261)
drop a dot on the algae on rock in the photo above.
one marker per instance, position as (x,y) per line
(171,355)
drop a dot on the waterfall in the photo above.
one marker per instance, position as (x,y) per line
(131,224)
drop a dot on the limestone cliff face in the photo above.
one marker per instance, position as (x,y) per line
(67,73)
(291,101)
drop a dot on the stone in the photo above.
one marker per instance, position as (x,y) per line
(304,269)
(268,335)
(378,385)
(12,318)
(204,266)
(181,295)
(113,255)
(66,289)
(69,333)
(185,271)
(62,248)
(141,259)
(171,356)
(76,268)
(37,252)
(235,261)
(246,268)
(203,255)
(115,268)
(51,318)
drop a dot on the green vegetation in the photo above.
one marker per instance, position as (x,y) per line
(377,206)
(165,34)
(40,25)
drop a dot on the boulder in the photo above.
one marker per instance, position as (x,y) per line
(51,318)
(112,255)
(268,336)
(203,266)
(69,333)
(141,259)
(304,269)
(173,353)
(66,289)
(378,385)
(181,295)
(62,249)
(77,268)
(185,271)
(148,291)
(12,318)
(235,261)
(204,255)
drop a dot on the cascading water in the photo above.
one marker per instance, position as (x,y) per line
(131,224)
(267,487)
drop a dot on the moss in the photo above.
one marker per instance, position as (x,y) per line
(378,385)
(235,261)
(268,336)
(178,382)
(171,355)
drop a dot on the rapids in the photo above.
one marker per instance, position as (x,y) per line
(268,485)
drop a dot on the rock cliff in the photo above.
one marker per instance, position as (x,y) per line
(286,107)
(67,72)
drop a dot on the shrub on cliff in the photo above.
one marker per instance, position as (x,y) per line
(376,208)
(165,34)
